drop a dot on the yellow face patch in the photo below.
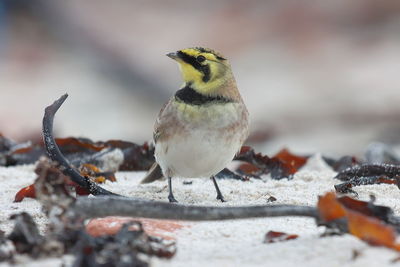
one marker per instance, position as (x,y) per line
(204,75)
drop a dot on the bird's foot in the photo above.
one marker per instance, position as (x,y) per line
(172,199)
(220,197)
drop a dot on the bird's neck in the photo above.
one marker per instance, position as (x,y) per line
(191,96)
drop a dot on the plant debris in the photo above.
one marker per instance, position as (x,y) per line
(374,224)
(7,249)
(66,232)
(342,163)
(25,235)
(110,155)
(88,171)
(367,174)
(273,237)
(122,249)
(282,165)
(58,184)
(55,154)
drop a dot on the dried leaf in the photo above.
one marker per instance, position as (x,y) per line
(88,170)
(366,208)
(280,166)
(364,220)
(71,145)
(372,230)
(249,169)
(272,237)
(329,208)
(290,161)
(28,191)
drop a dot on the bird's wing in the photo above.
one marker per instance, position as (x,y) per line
(160,125)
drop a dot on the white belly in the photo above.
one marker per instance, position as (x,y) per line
(204,142)
(201,154)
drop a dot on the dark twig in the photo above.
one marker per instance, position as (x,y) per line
(117,206)
(55,154)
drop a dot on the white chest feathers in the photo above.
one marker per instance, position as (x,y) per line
(205,140)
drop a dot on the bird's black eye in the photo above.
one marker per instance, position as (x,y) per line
(200,59)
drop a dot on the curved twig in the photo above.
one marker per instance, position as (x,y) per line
(118,206)
(55,154)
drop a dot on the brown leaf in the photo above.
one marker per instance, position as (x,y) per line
(290,161)
(272,237)
(329,208)
(362,220)
(249,169)
(366,208)
(73,145)
(280,166)
(372,230)
(28,191)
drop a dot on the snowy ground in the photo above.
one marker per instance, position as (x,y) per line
(238,242)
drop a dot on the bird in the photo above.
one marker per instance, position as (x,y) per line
(204,124)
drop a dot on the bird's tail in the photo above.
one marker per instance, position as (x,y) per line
(153,174)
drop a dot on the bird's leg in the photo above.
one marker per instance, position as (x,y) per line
(219,194)
(171,197)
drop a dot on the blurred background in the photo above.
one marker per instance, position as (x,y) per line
(317,76)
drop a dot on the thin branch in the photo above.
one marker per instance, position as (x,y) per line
(118,206)
(55,154)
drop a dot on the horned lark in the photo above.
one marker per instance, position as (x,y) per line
(202,127)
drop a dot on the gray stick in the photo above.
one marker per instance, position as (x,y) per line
(119,206)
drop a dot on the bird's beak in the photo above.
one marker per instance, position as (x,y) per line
(173,55)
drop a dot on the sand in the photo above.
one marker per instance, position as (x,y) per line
(235,242)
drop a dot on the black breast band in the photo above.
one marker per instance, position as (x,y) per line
(189,96)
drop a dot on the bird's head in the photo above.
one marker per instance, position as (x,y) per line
(202,68)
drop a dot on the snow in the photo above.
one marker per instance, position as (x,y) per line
(235,242)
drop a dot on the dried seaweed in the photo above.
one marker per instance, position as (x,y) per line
(369,209)
(367,174)
(7,249)
(369,170)
(128,156)
(122,249)
(88,171)
(273,237)
(282,165)
(66,231)
(25,235)
(342,163)
(136,157)
(55,154)
(374,224)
